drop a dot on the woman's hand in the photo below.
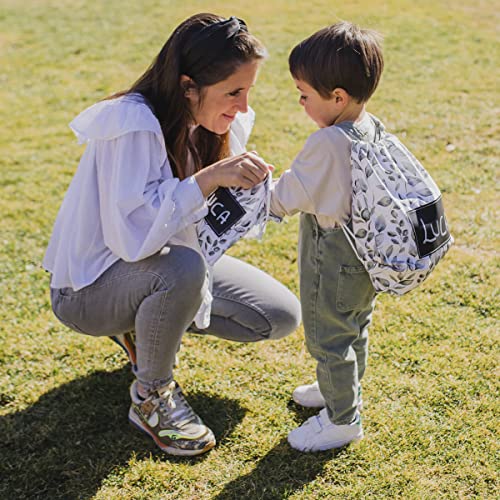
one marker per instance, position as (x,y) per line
(245,170)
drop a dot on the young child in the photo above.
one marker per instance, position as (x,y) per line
(336,70)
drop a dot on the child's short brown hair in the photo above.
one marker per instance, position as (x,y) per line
(339,56)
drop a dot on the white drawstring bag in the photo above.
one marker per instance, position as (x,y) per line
(233,213)
(398,228)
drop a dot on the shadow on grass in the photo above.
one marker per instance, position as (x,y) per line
(302,413)
(279,474)
(283,470)
(73,437)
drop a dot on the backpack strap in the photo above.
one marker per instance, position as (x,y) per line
(345,228)
(345,133)
(349,235)
(379,130)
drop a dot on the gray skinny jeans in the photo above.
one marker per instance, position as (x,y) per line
(158,298)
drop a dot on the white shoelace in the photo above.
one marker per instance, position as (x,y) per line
(172,404)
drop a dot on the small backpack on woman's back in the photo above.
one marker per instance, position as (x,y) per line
(398,228)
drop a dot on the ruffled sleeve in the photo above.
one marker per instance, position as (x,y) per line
(113,118)
(140,210)
(141,204)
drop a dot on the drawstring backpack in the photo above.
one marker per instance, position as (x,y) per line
(398,228)
(233,213)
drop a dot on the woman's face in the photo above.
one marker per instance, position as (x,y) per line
(215,106)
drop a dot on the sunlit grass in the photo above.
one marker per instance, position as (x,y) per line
(431,390)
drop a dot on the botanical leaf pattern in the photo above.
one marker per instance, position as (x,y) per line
(255,202)
(387,182)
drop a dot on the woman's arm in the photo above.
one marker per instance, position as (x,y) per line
(140,209)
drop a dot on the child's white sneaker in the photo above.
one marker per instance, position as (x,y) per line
(310,396)
(318,433)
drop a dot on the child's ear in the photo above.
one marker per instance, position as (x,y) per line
(340,96)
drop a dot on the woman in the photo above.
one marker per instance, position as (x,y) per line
(124,255)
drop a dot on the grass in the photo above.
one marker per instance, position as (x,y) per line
(431,390)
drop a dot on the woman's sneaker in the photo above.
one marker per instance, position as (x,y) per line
(167,417)
(318,433)
(127,342)
(310,396)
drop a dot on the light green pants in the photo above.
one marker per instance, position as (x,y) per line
(337,300)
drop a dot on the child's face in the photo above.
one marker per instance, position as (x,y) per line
(323,112)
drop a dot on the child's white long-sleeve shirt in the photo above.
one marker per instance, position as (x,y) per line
(319,179)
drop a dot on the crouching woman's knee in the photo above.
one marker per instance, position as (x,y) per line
(184,272)
(285,318)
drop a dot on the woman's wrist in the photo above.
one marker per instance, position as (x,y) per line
(207,180)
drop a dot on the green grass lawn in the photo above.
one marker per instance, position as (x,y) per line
(431,390)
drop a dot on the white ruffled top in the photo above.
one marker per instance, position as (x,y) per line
(124,202)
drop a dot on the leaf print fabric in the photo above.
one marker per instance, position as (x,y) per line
(253,211)
(398,228)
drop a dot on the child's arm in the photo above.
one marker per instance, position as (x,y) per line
(311,184)
(288,195)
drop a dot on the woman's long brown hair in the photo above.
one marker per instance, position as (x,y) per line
(161,87)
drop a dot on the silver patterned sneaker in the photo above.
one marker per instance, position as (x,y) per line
(172,424)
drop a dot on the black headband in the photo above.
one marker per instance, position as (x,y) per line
(194,54)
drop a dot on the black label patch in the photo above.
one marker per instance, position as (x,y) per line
(223,211)
(430,227)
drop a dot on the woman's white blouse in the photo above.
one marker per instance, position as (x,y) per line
(124,202)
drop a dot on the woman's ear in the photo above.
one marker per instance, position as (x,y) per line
(188,86)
